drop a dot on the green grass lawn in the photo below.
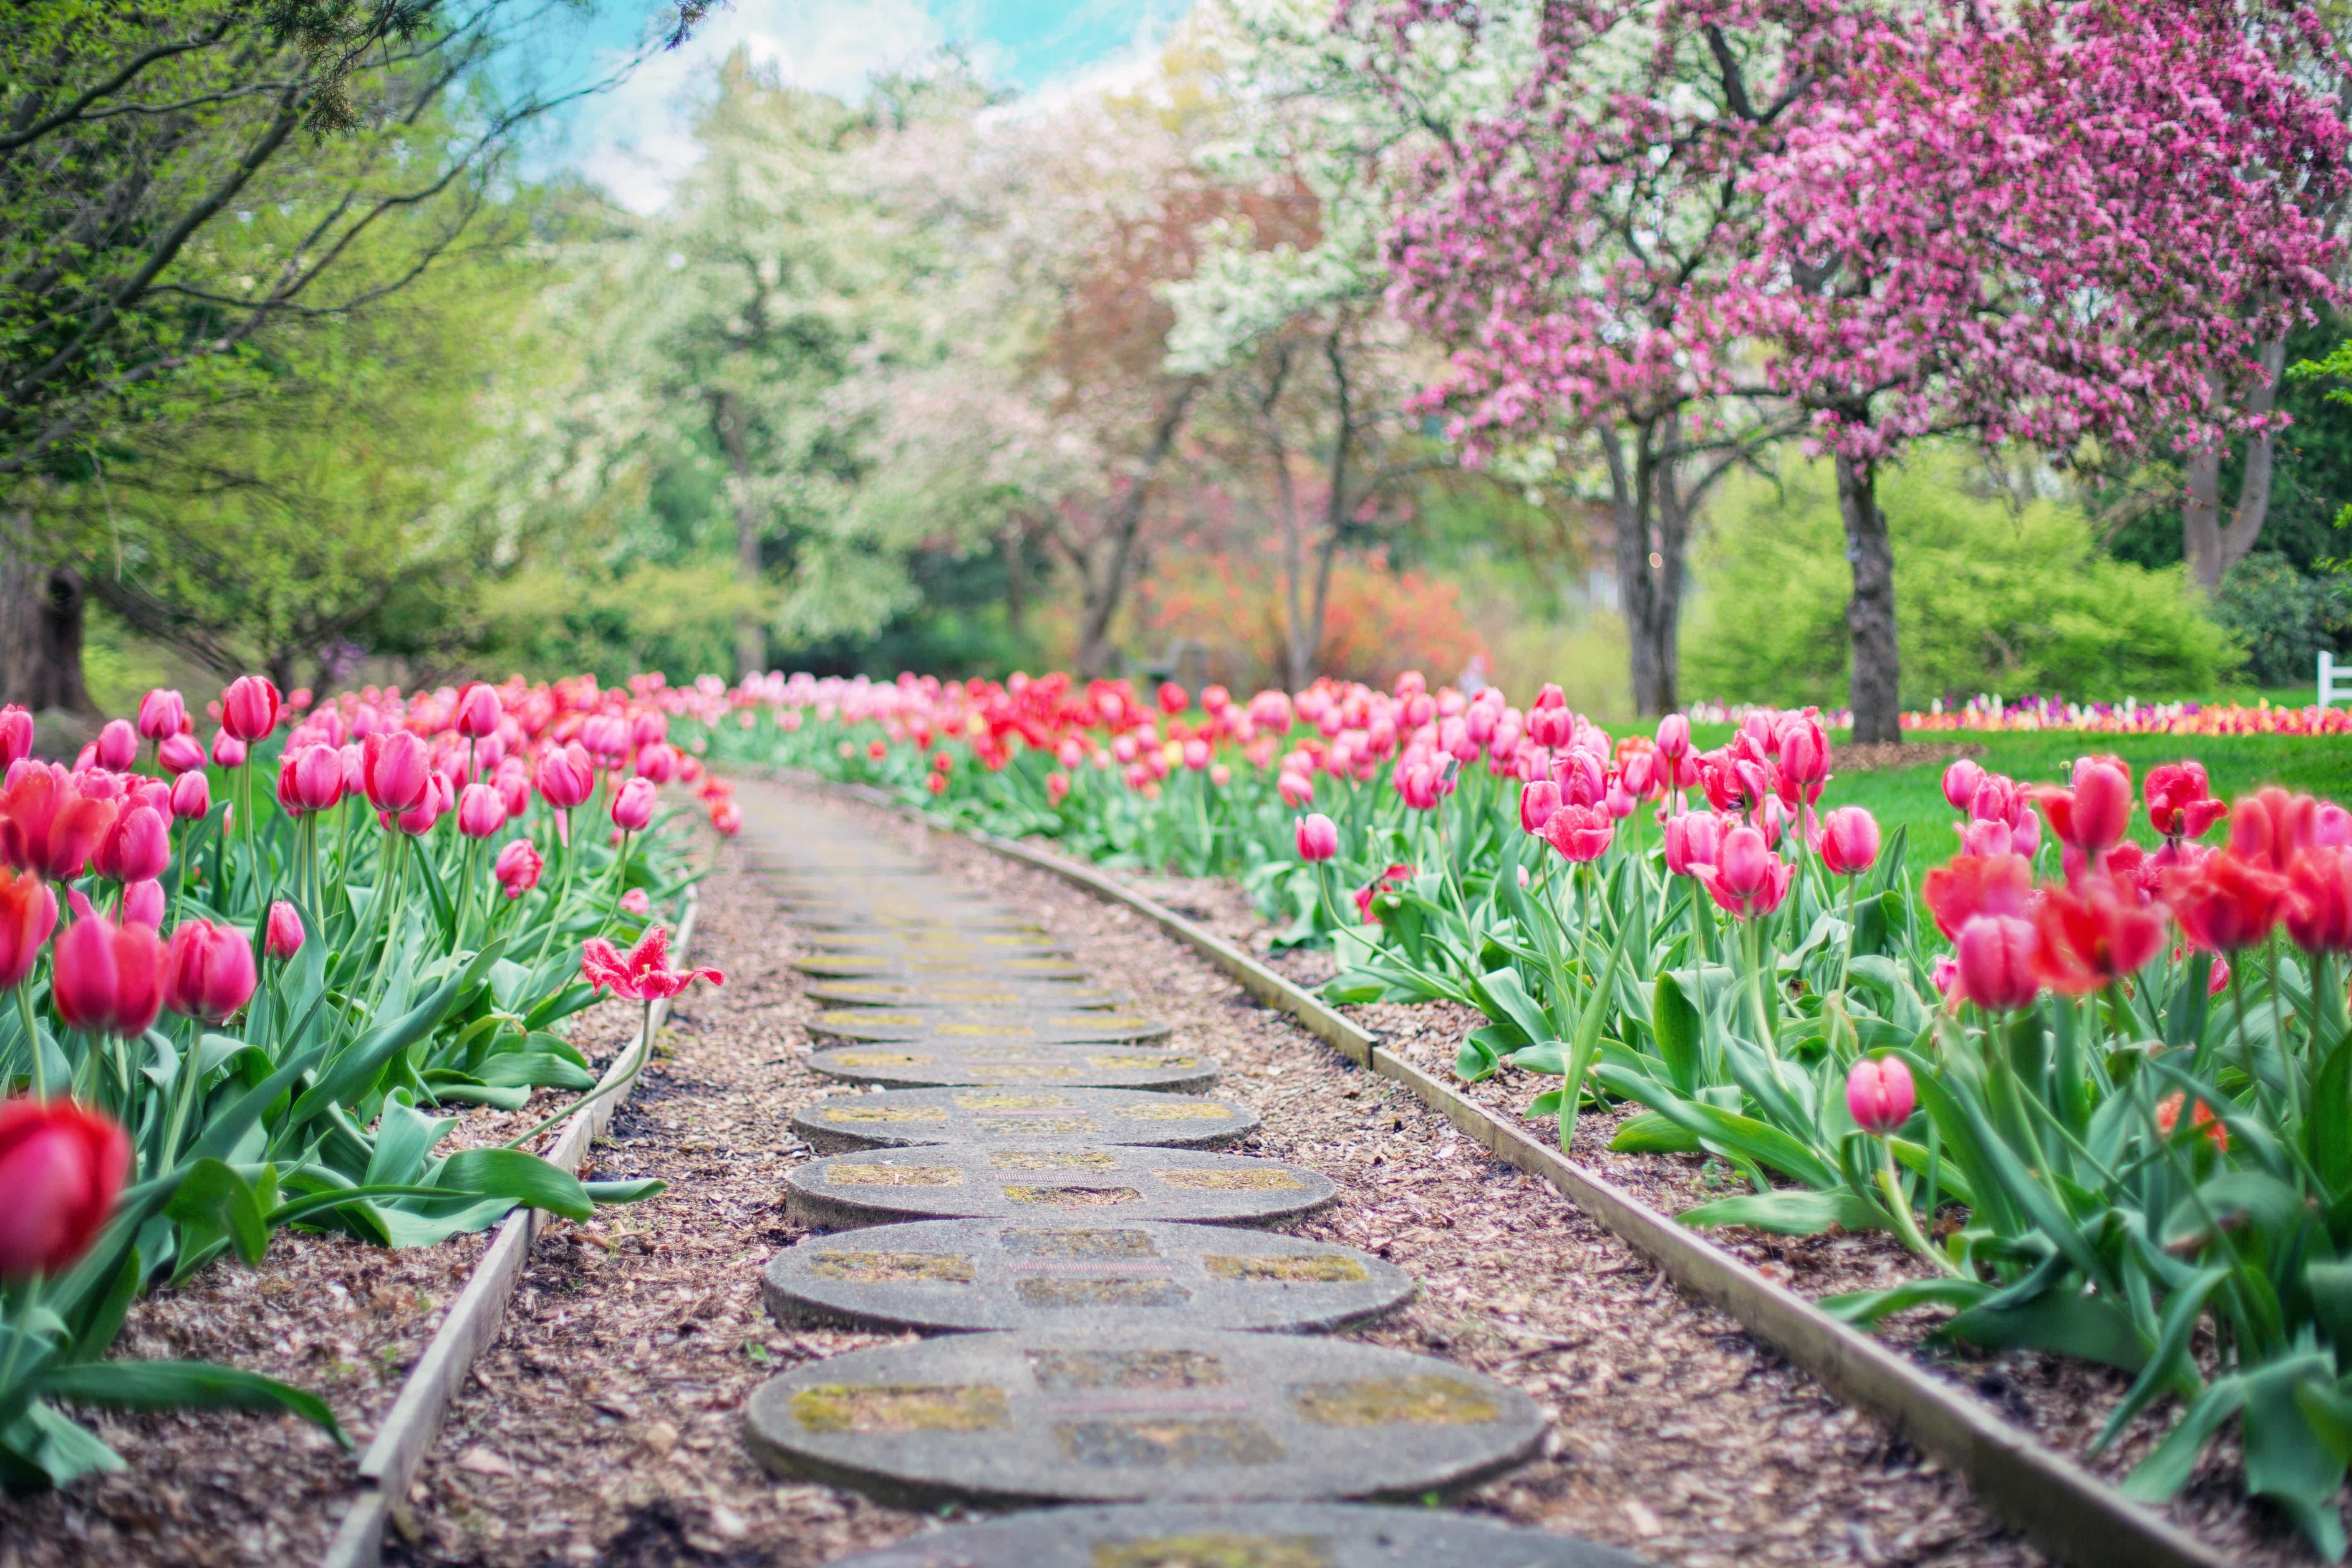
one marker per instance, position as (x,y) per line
(1914,797)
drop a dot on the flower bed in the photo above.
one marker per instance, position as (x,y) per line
(239,1006)
(2097,1094)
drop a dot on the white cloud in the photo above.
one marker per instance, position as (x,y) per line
(636,141)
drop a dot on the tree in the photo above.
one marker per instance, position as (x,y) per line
(1571,242)
(2069,225)
(131,137)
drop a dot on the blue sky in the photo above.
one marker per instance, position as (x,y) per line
(633,141)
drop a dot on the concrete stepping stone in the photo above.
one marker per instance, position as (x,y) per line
(1026,1025)
(1112,1183)
(962,992)
(844,965)
(1113,1416)
(922,941)
(1039,1118)
(842,917)
(1242,1535)
(960,1275)
(900,1065)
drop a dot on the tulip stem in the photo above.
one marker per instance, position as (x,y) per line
(644,1053)
(1890,1183)
(26,1310)
(33,1049)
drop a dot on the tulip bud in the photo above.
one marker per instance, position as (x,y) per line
(15,735)
(1995,956)
(180,754)
(1849,840)
(1318,837)
(477,711)
(1674,737)
(393,765)
(192,795)
(162,714)
(1961,780)
(481,811)
(1880,1094)
(108,979)
(284,934)
(118,745)
(633,806)
(566,777)
(517,867)
(658,762)
(61,1167)
(207,971)
(228,752)
(250,707)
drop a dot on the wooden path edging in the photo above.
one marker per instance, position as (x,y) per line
(2048,1498)
(390,1465)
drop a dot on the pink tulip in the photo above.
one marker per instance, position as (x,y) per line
(517,867)
(1581,833)
(437,798)
(250,707)
(28,913)
(162,714)
(1674,737)
(658,761)
(477,711)
(16,734)
(651,724)
(1296,789)
(633,806)
(137,849)
(61,1167)
(207,971)
(228,752)
(513,784)
(1849,840)
(51,820)
(636,901)
(192,795)
(1537,802)
(394,766)
(566,777)
(1692,840)
(1996,959)
(1746,878)
(1987,838)
(180,754)
(309,779)
(118,745)
(1960,782)
(1318,837)
(481,811)
(108,979)
(142,903)
(284,935)
(1804,757)
(1880,1095)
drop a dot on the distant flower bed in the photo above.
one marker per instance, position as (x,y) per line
(2124,718)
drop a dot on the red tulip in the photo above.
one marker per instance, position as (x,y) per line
(192,795)
(2224,902)
(1173,698)
(162,714)
(1996,957)
(207,971)
(2086,938)
(517,867)
(1581,833)
(250,707)
(727,818)
(1880,1094)
(477,711)
(1849,841)
(28,913)
(137,849)
(1537,801)
(645,974)
(1057,788)
(48,823)
(2319,900)
(2181,803)
(481,811)
(633,806)
(2270,825)
(393,769)
(1318,837)
(16,734)
(1395,876)
(1961,780)
(118,745)
(1970,885)
(108,979)
(567,777)
(283,936)
(61,1167)
(2168,1117)
(2092,815)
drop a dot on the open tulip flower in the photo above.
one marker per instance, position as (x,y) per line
(645,974)
(61,1166)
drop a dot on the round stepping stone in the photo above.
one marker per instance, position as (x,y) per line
(843,966)
(1127,1415)
(1040,1118)
(898,1066)
(837,919)
(958,1025)
(959,1275)
(1242,1535)
(958,992)
(1104,1183)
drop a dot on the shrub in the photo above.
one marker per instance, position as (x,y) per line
(2281,616)
(1989,596)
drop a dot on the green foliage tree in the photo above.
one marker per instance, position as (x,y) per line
(1994,596)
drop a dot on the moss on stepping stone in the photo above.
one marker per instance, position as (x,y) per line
(944,1181)
(1043,1117)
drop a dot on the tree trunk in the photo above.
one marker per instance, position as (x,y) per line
(750,634)
(1877,693)
(1648,524)
(1105,588)
(40,635)
(2210,546)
